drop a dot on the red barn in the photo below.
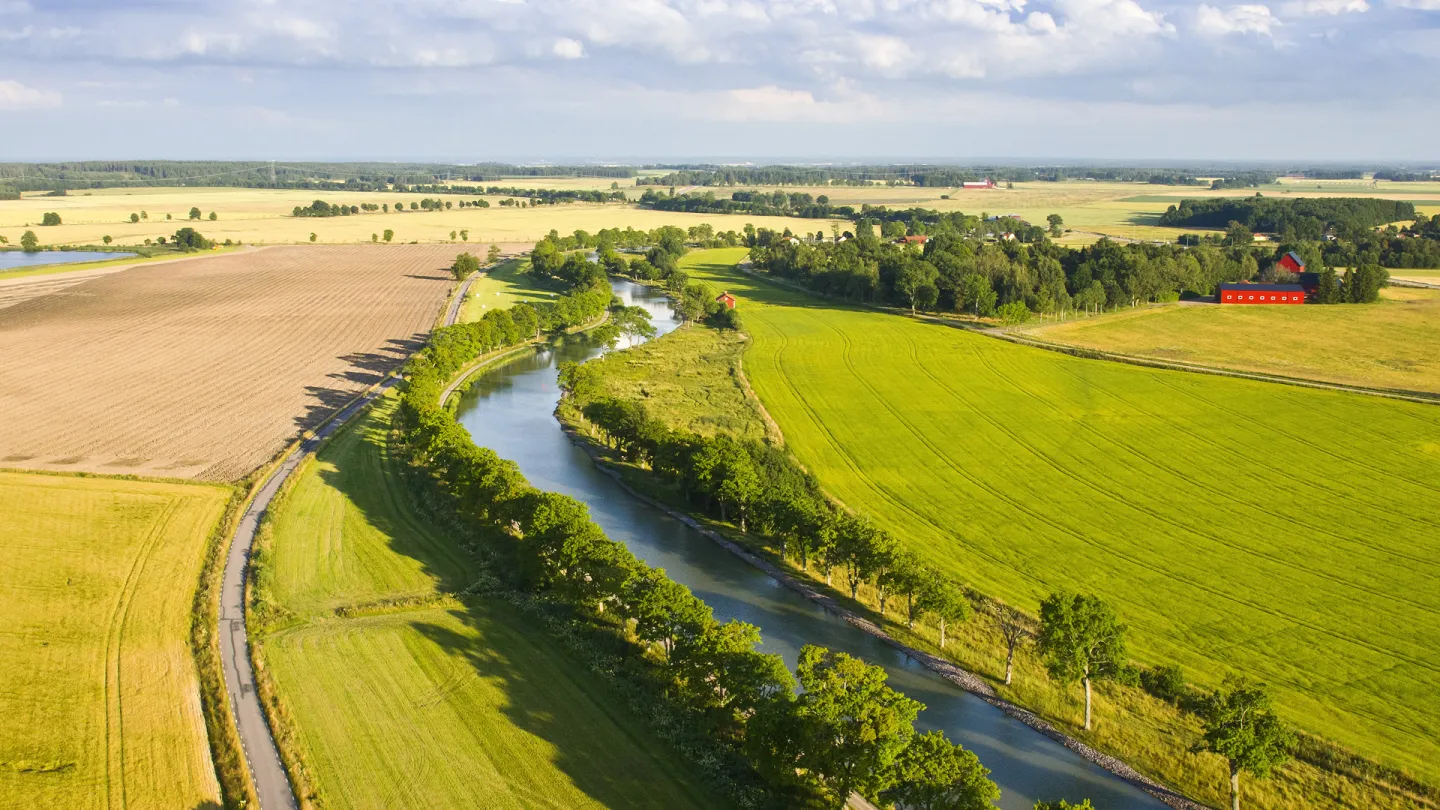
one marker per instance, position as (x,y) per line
(1246,293)
(915,239)
(727,299)
(1291,261)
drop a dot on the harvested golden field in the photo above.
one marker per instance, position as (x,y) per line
(1391,344)
(263,216)
(206,368)
(100,702)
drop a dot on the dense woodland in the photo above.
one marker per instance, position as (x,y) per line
(1299,218)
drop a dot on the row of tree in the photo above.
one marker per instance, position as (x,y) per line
(763,492)
(846,732)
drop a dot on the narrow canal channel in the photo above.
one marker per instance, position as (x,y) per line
(510,410)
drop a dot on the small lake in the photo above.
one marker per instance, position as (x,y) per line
(18,259)
(510,409)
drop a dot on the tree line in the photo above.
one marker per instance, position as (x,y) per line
(1292,218)
(847,732)
(762,491)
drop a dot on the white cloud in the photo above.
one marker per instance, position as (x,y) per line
(16,96)
(1424,5)
(1331,7)
(1249,19)
(567,48)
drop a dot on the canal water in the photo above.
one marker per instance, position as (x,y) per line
(510,410)
(18,259)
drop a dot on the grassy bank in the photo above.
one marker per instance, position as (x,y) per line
(505,285)
(1393,344)
(1147,732)
(101,704)
(393,690)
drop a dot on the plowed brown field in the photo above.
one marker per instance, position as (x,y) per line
(206,368)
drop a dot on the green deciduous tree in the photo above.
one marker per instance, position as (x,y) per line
(1241,726)
(50,218)
(134,218)
(1057,224)
(464,265)
(195,213)
(1064,805)
(388,235)
(213,217)
(854,725)
(1082,639)
(29,242)
(312,237)
(106,239)
(492,255)
(933,773)
(943,598)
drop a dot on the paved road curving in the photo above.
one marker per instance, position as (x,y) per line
(272,784)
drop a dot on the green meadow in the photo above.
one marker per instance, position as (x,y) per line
(1283,533)
(392,692)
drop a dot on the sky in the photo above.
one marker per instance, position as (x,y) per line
(670,80)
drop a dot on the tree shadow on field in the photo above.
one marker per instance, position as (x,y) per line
(207,805)
(546,693)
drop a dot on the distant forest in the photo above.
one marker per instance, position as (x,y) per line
(1293,217)
(440,177)
(424,177)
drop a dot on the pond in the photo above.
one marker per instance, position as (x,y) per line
(19,259)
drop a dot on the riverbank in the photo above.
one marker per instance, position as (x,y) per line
(1130,719)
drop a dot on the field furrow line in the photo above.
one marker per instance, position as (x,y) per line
(1132,559)
(1382,508)
(114,741)
(1428,488)
(1222,493)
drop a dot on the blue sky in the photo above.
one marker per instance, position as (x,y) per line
(1304,80)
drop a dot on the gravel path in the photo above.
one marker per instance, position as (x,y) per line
(272,783)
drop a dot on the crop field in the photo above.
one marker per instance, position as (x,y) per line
(1285,533)
(505,285)
(263,216)
(207,367)
(1120,210)
(1392,344)
(398,695)
(100,703)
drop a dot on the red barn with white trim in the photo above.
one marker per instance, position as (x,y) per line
(1260,294)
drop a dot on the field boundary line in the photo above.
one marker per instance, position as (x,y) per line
(948,670)
(266,768)
(1419,397)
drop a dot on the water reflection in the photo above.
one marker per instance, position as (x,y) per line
(510,409)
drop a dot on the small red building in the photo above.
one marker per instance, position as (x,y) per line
(727,299)
(1246,293)
(914,239)
(1291,261)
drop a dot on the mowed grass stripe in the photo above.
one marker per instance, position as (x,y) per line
(100,703)
(1243,526)
(442,704)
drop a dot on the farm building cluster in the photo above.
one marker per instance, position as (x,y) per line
(1249,293)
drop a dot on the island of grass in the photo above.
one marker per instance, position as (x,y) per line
(1020,471)
(504,285)
(100,705)
(392,690)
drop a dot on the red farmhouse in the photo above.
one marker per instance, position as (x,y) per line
(1260,294)
(727,299)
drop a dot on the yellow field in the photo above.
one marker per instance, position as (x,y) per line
(1392,344)
(100,704)
(262,216)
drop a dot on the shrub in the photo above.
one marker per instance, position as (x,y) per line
(1013,312)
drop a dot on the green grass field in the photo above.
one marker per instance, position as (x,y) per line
(1284,533)
(1392,344)
(505,285)
(395,694)
(99,697)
